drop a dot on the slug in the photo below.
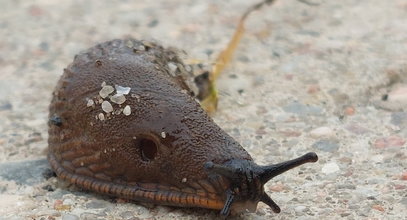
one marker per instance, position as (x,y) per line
(124,121)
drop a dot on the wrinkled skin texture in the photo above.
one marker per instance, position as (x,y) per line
(102,152)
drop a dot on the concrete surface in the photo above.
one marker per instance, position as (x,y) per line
(330,78)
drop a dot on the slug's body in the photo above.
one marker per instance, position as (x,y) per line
(124,122)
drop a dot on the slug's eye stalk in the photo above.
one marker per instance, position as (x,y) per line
(247,179)
(268,172)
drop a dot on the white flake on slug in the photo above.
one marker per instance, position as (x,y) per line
(118,111)
(107,107)
(184,180)
(129,44)
(105,151)
(141,48)
(101,116)
(103,84)
(90,103)
(82,164)
(118,98)
(163,135)
(100,100)
(172,68)
(188,68)
(105,91)
(127,110)
(122,90)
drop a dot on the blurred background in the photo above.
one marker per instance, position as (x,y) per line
(329,77)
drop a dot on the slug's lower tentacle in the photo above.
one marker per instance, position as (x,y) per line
(228,203)
(268,201)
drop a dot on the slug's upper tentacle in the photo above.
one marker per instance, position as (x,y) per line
(247,179)
(268,172)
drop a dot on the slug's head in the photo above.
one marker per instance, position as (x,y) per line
(247,181)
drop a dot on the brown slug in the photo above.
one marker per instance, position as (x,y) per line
(124,122)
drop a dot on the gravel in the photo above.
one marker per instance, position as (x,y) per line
(329,78)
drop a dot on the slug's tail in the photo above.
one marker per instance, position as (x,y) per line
(247,179)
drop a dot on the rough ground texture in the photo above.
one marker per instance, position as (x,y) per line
(330,78)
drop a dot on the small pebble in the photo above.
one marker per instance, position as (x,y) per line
(118,98)
(24,172)
(326,145)
(356,129)
(105,91)
(107,107)
(403,201)
(260,211)
(313,89)
(5,106)
(122,90)
(378,208)
(127,110)
(325,211)
(349,110)
(59,206)
(377,158)
(399,187)
(302,110)
(346,186)
(322,132)
(277,187)
(354,207)
(345,214)
(69,217)
(88,215)
(290,133)
(97,204)
(399,118)
(300,209)
(330,168)
(399,95)
(127,215)
(391,141)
